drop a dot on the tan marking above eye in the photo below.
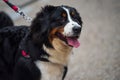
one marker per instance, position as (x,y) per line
(64,15)
(72,13)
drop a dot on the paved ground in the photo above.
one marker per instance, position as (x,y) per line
(98,57)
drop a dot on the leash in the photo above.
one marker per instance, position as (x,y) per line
(18,10)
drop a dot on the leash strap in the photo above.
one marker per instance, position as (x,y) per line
(65,72)
(17,10)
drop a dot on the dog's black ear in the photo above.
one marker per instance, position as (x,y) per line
(41,19)
(39,28)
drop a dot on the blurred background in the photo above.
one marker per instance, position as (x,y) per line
(98,57)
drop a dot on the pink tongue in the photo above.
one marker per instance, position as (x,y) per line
(73,42)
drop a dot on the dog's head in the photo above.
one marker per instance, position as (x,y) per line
(57,22)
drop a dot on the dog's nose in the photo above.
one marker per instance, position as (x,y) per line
(76,29)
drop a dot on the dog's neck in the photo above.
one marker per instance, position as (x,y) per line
(60,53)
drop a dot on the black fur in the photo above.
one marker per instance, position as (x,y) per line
(15,66)
(5,20)
(10,38)
(41,25)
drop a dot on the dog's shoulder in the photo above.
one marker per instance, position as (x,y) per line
(14,34)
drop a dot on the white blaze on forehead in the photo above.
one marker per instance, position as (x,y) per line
(70,19)
(68,13)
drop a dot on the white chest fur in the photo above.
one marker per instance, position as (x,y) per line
(50,71)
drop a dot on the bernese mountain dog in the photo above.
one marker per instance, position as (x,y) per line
(39,51)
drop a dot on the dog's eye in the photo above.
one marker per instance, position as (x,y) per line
(61,19)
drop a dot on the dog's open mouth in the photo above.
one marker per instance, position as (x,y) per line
(71,41)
